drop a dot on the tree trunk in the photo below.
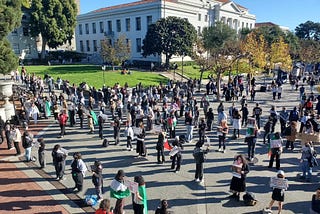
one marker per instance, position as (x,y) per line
(201,75)
(43,48)
(218,84)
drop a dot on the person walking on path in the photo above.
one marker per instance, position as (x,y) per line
(59,156)
(278,191)
(240,169)
(78,170)
(119,191)
(199,157)
(97,179)
(41,153)
(257,112)
(276,150)
(140,205)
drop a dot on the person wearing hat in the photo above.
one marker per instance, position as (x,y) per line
(119,191)
(279,188)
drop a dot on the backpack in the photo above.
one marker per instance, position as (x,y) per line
(249,199)
(91,200)
(105,142)
(26,141)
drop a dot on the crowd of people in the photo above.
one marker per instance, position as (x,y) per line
(142,110)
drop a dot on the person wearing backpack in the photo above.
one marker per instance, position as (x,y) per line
(27,139)
(78,170)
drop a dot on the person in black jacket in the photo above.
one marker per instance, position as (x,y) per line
(41,153)
(97,178)
(2,125)
(160,147)
(177,156)
(116,130)
(210,118)
(141,147)
(59,161)
(199,157)
(202,130)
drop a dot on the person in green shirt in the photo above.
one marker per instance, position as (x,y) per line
(140,197)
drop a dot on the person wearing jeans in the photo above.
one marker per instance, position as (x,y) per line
(306,155)
(189,125)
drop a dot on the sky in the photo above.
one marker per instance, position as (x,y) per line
(287,13)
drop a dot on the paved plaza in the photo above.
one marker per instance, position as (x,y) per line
(184,195)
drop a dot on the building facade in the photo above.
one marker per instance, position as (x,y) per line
(132,20)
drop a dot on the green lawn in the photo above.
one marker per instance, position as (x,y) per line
(94,75)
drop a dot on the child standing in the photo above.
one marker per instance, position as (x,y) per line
(279,185)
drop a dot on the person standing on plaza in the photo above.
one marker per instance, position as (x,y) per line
(222,115)
(41,153)
(130,135)
(245,113)
(116,130)
(140,205)
(274,117)
(279,91)
(236,123)
(294,115)
(78,170)
(7,131)
(240,169)
(59,156)
(27,143)
(278,191)
(63,118)
(97,179)
(257,112)
(274,91)
(150,118)
(16,138)
(284,117)
(291,134)
(34,112)
(222,133)
(199,157)
(202,130)
(160,147)
(80,113)
(92,120)
(305,161)
(104,207)
(141,147)
(315,202)
(209,118)
(175,154)
(276,150)
(2,127)
(251,139)
(119,191)
(189,125)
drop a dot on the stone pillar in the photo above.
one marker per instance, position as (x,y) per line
(7,110)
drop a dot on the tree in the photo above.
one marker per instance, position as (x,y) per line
(10,18)
(309,51)
(279,54)
(115,53)
(270,33)
(169,36)
(308,30)
(221,43)
(294,45)
(54,20)
(255,46)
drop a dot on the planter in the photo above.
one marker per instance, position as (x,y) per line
(6,88)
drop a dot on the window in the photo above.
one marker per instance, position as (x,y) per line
(118,25)
(95,48)
(149,21)
(80,29)
(25,31)
(94,29)
(101,27)
(128,24)
(138,45)
(109,26)
(199,30)
(88,45)
(205,18)
(87,28)
(127,42)
(250,25)
(81,46)
(199,17)
(138,23)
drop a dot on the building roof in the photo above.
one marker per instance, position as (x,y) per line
(262,24)
(141,2)
(228,1)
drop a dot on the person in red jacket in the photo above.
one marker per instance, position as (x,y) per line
(63,118)
(104,207)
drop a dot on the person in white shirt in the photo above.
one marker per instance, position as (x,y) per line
(78,170)
(130,136)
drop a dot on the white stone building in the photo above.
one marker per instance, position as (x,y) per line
(132,20)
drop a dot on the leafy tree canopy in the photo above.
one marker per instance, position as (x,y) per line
(55,20)
(270,33)
(169,36)
(10,16)
(8,60)
(309,51)
(308,30)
